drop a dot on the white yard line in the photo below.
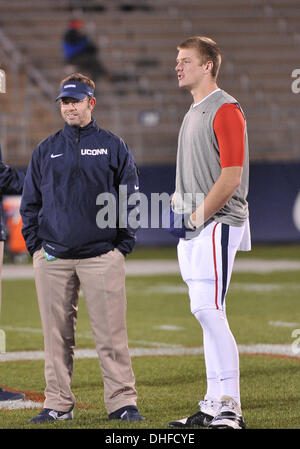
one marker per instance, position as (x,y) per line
(283,324)
(152,267)
(269,349)
(13,405)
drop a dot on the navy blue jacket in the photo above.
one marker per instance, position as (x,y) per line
(11,182)
(67,172)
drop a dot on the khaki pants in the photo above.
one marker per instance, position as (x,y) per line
(102,280)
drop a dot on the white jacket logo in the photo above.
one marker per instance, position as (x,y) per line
(94,152)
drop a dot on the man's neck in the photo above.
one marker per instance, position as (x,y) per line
(202,91)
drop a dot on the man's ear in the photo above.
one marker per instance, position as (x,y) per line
(209,65)
(93,102)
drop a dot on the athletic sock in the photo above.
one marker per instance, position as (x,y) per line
(213,392)
(230,385)
(221,354)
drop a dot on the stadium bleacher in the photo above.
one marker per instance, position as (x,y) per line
(259,42)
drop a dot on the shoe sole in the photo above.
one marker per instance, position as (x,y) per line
(49,420)
(61,418)
(182,426)
(176,426)
(227,426)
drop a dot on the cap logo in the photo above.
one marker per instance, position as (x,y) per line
(75,89)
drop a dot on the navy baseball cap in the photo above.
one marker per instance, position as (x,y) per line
(74,89)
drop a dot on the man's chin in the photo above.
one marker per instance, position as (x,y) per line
(182,85)
(73,122)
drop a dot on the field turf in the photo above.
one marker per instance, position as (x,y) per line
(262,308)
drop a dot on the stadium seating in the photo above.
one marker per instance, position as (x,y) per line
(259,41)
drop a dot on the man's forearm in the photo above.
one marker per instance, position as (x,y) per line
(218,196)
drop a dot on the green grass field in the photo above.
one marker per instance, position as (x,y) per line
(261,308)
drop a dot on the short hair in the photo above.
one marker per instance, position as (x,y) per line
(80,78)
(207,49)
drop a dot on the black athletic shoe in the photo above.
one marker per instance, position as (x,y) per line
(48,415)
(202,418)
(127,413)
(10,396)
(198,419)
(229,416)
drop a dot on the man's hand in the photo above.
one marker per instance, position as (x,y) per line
(225,186)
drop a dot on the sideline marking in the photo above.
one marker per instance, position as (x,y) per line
(283,324)
(89,335)
(15,405)
(169,328)
(159,267)
(263,349)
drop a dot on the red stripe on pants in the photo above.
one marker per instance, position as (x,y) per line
(215,265)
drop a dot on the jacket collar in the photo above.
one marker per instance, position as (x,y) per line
(72,131)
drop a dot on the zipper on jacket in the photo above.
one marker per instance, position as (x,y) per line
(77,151)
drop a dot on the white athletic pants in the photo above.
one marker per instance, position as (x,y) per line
(206,263)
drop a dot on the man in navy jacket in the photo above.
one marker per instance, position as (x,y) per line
(11,182)
(71,247)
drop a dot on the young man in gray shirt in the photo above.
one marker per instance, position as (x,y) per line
(212,164)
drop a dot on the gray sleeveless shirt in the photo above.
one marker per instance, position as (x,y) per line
(198,162)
